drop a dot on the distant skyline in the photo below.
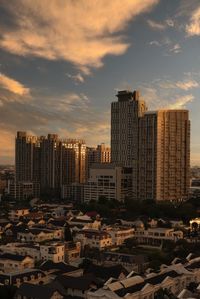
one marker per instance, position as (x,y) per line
(62,62)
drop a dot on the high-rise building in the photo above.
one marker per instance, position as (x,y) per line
(155,144)
(50,161)
(24,156)
(164,155)
(74,162)
(103,154)
(125,116)
(99,154)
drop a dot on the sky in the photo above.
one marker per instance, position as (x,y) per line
(62,62)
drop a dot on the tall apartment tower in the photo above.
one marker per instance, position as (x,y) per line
(103,154)
(50,162)
(125,117)
(99,154)
(24,156)
(73,162)
(164,155)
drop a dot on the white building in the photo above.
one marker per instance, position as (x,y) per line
(107,180)
(94,238)
(54,252)
(155,236)
(120,233)
(39,235)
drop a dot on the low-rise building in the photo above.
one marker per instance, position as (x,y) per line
(94,238)
(51,290)
(72,251)
(155,236)
(15,214)
(13,262)
(18,277)
(54,252)
(23,190)
(107,180)
(40,235)
(120,233)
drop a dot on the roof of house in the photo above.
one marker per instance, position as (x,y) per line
(10,256)
(40,291)
(12,277)
(78,283)
(105,272)
(62,267)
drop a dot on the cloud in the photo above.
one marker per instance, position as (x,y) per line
(193,28)
(184,85)
(181,102)
(71,102)
(156,25)
(78,78)
(161,26)
(13,86)
(164,93)
(170,23)
(175,49)
(155,43)
(82,32)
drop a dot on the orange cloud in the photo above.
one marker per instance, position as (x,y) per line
(13,86)
(82,32)
(193,28)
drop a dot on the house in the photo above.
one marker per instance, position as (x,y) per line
(137,263)
(105,272)
(13,262)
(51,268)
(155,236)
(19,277)
(94,238)
(15,214)
(120,233)
(53,251)
(78,286)
(48,291)
(38,234)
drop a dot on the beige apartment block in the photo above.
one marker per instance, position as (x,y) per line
(164,155)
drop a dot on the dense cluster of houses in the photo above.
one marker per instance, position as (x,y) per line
(42,254)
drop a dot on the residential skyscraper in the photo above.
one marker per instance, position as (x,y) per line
(24,156)
(76,159)
(125,116)
(99,154)
(155,144)
(50,161)
(164,155)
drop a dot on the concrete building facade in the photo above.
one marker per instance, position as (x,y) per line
(110,181)
(125,116)
(164,155)
(155,144)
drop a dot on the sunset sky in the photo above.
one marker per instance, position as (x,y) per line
(62,62)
